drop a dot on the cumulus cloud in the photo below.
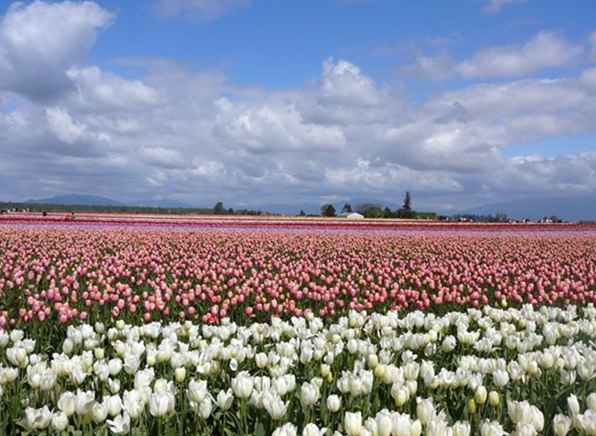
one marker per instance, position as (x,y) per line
(433,67)
(62,125)
(100,90)
(34,54)
(367,177)
(197,137)
(495,6)
(545,50)
(538,174)
(343,82)
(592,40)
(203,9)
(163,157)
(264,128)
(231,142)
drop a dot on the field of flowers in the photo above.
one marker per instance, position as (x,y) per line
(191,330)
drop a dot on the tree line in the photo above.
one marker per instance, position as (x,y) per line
(373,210)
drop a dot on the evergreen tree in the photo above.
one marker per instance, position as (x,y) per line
(407,207)
(219,209)
(328,210)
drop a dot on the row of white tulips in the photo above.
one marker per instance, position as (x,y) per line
(490,372)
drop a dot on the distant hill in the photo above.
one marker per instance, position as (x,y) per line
(96,200)
(77,200)
(571,208)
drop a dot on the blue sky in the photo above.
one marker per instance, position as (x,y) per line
(278,44)
(270,103)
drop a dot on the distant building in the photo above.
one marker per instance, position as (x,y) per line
(354,216)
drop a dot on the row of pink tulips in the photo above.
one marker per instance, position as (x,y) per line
(72,275)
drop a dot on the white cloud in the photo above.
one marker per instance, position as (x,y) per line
(267,127)
(194,136)
(39,41)
(104,90)
(545,50)
(204,9)
(343,82)
(433,67)
(537,174)
(63,126)
(366,177)
(588,78)
(163,157)
(495,6)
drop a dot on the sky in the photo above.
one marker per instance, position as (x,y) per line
(292,104)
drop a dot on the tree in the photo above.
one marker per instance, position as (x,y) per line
(387,213)
(328,210)
(302,213)
(366,208)
(405,211)
(407,202)
(347,208)
(219,209)
(501,218)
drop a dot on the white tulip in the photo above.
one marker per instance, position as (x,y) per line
(480,395)
(353,423)
(37,419)
(333,403)
(274,405)
(242,385)
(491,428)
(416,428)
(573,405)
(115,366)
(67,403)
(161,403)
(500,377)
(84,402)
(197,390)
(461,428)
(59,421)
(425,409)
(205,407)
(384,423)
(288,429)
(224,399)
(313,430)
(99,412)
(114,385)
(402,424)
(309,394)
(120,424)
(133,403)
(591,401)
(114,405)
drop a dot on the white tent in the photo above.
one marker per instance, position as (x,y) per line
(354,216)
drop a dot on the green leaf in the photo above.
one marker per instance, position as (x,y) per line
(260,429)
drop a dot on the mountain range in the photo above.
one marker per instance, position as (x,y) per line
(572,208)
(96,200)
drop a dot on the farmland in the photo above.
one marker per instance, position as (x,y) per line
(265,326)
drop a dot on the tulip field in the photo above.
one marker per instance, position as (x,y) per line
(260,328)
